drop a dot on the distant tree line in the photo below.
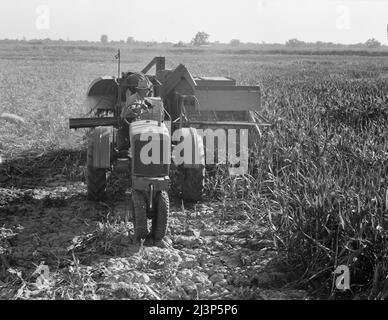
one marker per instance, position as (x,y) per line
(295,43)
(201,38)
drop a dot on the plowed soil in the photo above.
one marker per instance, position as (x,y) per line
(54,244)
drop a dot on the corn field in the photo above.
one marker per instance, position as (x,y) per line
(320,177)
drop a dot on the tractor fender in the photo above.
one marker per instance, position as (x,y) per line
(101,94)
(102,138)
(193,142)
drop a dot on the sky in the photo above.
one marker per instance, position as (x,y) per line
(271,21)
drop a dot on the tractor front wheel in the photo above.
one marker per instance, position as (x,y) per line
(160,220)
(139,209)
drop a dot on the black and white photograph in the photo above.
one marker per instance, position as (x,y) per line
(194,155)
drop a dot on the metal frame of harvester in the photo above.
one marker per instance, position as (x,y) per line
(190,103)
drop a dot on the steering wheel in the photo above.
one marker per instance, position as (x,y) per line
(134,111)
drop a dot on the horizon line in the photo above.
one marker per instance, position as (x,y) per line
(215,42)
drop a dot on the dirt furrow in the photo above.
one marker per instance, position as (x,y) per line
(56,244)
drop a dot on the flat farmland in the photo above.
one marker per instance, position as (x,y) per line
(316,196)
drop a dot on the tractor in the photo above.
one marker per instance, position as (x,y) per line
(178,105)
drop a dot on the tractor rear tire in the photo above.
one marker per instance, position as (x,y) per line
(96,178)
(160,220)
(193,184)
(139,209)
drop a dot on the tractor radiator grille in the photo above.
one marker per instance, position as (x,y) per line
(140,168)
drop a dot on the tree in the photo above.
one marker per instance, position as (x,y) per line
(294,43)
(235,42)
(372,43)
(180,44)
(200,39)
(130,40)
(104,39)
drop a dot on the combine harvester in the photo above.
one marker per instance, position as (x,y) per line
(179,105)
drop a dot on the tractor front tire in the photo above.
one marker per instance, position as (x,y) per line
(160,220)
(96,178)
(139,209)
(193,184)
